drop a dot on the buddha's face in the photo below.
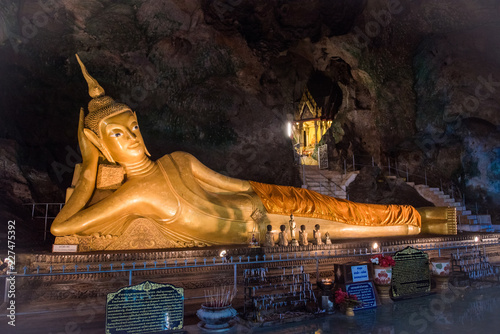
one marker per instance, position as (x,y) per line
(121,136)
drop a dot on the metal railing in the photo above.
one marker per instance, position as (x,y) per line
(393,168)
(313,256)
(45,213)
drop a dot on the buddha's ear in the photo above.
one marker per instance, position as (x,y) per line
(94,139)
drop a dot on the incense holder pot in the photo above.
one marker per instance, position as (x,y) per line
(216,317)
(440,266)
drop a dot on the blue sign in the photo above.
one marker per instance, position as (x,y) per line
(359,273)
(365,293)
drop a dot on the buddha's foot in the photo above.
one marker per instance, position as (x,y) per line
(439,220)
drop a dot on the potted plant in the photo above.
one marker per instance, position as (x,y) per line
(217,310)
(346,302)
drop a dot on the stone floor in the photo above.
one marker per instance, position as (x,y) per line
(469,310)
(455,311)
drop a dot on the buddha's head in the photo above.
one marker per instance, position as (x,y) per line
(112,127)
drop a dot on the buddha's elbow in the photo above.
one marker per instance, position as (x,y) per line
(58,230)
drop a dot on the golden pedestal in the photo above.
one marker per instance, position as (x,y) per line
(441,283)
(142,233)
(383,291)
(349,311)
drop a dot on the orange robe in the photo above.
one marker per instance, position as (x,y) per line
(284,200)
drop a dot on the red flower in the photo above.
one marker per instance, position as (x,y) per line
(383,261)
(345,299)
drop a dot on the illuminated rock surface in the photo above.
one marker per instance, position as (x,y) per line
(225,79)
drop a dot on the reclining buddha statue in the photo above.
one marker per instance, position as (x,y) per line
(121,199)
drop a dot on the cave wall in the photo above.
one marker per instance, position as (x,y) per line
(220,79)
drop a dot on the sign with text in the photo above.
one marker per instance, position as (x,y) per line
(360,273)
(365,293)
(352,272)
(64,248)
(145,308)
(410,275)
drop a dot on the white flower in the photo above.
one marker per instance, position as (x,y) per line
(375,260)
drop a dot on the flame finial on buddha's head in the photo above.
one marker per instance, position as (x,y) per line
(101,106)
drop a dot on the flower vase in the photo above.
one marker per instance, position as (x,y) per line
(382,280)
(440,268)
(349,311)
(215,318)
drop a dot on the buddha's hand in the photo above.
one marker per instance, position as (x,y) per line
(89,151)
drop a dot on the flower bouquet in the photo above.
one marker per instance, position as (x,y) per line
(383,260)
(346,301)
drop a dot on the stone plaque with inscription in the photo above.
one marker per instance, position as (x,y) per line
(365,293)
(410,275)
(145,308)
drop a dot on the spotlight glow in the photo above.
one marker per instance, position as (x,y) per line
(289,129)
(223,253)
(375,245)
(476,239)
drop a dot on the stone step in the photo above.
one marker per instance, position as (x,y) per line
(324,177)
(434,189)
(455,204)
(328,192)
(444,196)
(327,185)
(411,184)
(466,213)
(449,200)
(470,228)
(484,219)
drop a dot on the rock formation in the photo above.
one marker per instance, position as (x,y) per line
(418,83)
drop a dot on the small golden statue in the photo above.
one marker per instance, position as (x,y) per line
(293,227)
(303,236)
(269,241)
(328,241)
(283,238)
(123,200)
(317,235)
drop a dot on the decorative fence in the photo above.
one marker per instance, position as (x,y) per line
(323,252)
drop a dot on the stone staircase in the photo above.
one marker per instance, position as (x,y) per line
(326,182)
(334,183)
(467,222)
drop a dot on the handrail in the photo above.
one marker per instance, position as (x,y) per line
(46,216)
(322,252)
(428,178)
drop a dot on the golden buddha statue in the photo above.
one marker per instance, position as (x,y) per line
(176,201)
